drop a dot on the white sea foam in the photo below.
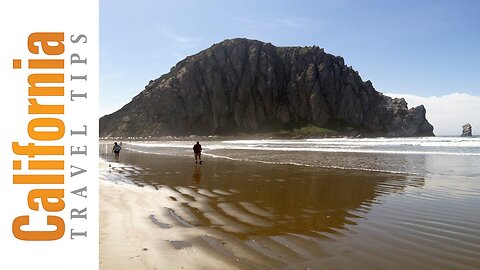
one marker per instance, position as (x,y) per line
(403,146)
(310,165)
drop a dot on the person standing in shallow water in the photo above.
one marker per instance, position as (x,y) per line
(197,151)
(116,149)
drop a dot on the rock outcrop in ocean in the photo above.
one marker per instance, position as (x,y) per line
(249,86)
(466,130)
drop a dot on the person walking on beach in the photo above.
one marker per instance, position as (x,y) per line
(116,149)
(197,151)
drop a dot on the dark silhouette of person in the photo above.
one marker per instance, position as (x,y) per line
(116,149)
(197,151)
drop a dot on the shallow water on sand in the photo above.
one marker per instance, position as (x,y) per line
(274,216)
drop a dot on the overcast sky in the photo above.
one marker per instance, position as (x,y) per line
(417,49)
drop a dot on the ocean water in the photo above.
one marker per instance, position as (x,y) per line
(382,203)
(455,156)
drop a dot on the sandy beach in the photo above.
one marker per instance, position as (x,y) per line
(163,211)
(133,237)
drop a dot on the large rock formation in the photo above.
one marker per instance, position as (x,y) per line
(466,130)
(243,85)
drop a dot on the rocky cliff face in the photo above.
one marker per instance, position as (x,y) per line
(243,85)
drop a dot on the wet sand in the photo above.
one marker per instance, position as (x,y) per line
(166,212)
(132,237)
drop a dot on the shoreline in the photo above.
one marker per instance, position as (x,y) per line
(260,136)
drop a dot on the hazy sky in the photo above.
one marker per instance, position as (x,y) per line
(421,48)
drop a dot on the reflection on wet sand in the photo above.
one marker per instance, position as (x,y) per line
(197,174)
(261,215)
(250,199)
